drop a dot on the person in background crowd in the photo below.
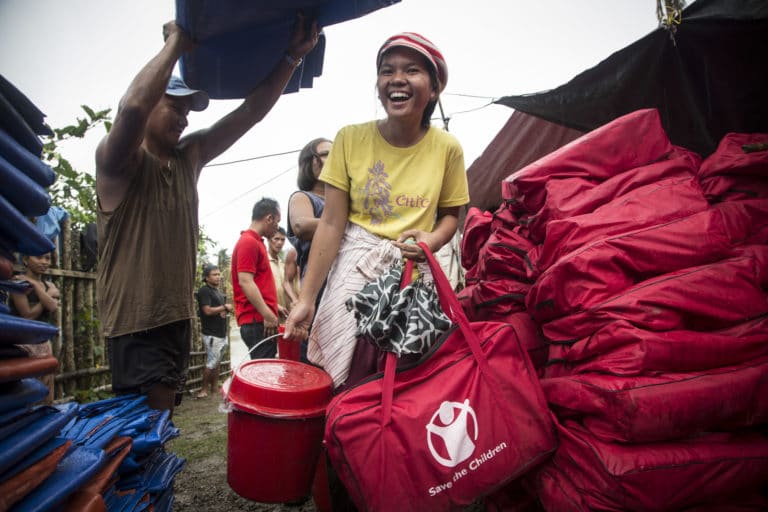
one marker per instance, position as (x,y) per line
(305,206)
(386,181)
(146,187)
(213,311)
(291,277)
(39,303)
(275,245)
(253,284)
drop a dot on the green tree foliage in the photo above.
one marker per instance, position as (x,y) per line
(74,190)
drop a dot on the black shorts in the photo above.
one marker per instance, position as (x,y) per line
(141,359)
(253,334)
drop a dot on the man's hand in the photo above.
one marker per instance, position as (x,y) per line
(171,29)
(270,324)
(282,312)
(303,38)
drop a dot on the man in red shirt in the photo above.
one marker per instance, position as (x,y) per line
(253,285)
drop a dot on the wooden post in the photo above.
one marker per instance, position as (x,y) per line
(67,359)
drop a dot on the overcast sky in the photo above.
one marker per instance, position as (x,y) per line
(64,53)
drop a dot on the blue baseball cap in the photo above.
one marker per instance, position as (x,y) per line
(177,87)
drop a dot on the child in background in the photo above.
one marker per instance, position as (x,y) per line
(39,303)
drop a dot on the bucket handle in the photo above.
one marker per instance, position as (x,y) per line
(226,406)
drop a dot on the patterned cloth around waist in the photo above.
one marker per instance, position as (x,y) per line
(362,258)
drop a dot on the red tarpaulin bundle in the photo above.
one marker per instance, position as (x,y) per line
(598,155)
(576,196)
(621,348)
(598,270)
(654,305)
(667,406)
(704,298)
(662,476)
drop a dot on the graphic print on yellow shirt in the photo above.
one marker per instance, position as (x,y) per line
(377,202)
(393,189)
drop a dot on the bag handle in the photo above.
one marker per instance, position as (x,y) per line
(390,365)
(451,307)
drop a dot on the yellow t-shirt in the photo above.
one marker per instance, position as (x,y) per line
(394,189)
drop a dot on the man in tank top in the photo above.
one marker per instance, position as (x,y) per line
(146,185)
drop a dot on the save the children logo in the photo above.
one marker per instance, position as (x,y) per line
(452,432)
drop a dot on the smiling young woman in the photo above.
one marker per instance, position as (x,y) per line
(386,181)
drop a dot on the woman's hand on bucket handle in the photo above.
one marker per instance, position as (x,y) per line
(299,320)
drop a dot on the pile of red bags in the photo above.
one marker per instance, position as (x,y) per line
(645,273)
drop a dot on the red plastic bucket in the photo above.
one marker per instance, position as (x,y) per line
(275,428)
(288,349)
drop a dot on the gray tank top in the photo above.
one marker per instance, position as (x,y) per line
(147,250)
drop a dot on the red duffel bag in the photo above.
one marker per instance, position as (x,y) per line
(731,159)
(646,206)
(555,490)
(469,417)
(603,268)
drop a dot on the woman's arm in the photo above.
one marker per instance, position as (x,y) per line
(46,299)
(325,246)
(21,304)
(302,215)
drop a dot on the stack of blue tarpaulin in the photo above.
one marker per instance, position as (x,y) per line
(105,455)
(23,195)
(143,476)
(29,449)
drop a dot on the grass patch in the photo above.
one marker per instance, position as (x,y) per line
(203,432)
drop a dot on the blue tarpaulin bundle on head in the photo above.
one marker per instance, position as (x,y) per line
(239,43)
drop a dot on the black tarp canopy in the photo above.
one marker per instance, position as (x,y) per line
(708,78)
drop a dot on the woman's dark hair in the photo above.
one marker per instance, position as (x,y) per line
(306,179)
(430,108)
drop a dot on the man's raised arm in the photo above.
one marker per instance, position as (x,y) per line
(120,147)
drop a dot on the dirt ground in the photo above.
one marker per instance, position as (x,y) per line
(202,484)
